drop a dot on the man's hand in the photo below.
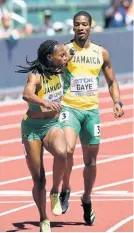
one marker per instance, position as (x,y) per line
(118,111)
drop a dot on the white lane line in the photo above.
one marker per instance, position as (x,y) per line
(22,112)
(10,126)
(18,193)
(12,102)
(22,193)
(71,200)
(107,186)
(108,99)
(104,124)
(12,158)
(114,193)
(12,113)
(33,204)
(121,223)
(15,202)
(28,193)
(114,184)
(73,194)
(15,180)
(50,157)
(17,209)
(108,110)
(108,199)
(107,160)
(118,138)
(21,179)
(15,193)
(9,141)
(117,122)
(129,195)
(74,168)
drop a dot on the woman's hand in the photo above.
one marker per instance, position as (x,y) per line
(53,106)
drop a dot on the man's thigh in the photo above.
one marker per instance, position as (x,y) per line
(69,118)
(90,130)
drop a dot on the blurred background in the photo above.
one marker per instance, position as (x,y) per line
(24,24)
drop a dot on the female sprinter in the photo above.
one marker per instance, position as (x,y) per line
(40,127)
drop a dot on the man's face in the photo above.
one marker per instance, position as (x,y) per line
(81,28)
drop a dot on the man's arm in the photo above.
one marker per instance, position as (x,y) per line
(112,83)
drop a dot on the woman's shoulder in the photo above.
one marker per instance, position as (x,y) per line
(34,77)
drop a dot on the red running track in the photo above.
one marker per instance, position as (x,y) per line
(112,195)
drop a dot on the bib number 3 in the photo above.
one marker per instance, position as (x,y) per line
(64,116)
(97,130)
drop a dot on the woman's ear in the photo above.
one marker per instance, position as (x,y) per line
(49,57)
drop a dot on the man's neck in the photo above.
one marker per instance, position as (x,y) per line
(82,44)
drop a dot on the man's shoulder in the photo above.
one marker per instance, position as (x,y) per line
(96,47)
(69,43)
(95,44)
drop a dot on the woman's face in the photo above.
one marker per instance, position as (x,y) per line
(59,57)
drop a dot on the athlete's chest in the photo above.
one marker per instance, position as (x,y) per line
(85,67)
(51,85)
(52,89)
(86,59)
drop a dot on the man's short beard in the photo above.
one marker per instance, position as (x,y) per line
(82,39)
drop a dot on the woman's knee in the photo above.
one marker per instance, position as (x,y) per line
(65,152)
(61,153)
(70,151)
(39,179)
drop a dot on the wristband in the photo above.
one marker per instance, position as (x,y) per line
(119,102)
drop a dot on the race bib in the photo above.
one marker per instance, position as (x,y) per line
(97,130)
(54,97)
(64,116)
(53,91)
(84,86)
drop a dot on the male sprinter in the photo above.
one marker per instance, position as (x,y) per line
(80,113)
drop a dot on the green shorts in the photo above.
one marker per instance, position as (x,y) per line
(86,124)
(32,129)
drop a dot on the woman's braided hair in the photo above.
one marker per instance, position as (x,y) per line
(41,64)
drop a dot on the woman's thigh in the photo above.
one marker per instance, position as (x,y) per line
(34,157)
(55,142)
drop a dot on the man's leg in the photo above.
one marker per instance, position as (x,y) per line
(90,139)
(71,138)
(89,173)
(71,126)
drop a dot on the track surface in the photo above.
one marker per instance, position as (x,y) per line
(112,196)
